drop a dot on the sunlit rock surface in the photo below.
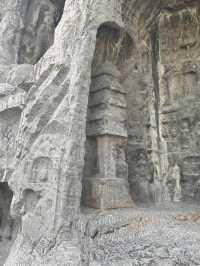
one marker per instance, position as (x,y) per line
(100,132)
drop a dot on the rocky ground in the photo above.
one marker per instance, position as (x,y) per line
(142,236)
(164,236)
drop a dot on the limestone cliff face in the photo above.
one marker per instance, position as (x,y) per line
(99,112)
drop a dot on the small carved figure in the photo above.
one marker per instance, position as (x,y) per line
(197,135)
(185,137)
(39,31)
(41,169)
(197,190)
(175,87)
(45,33)
(176,174)
(190,84)
(174,183)
(31,199)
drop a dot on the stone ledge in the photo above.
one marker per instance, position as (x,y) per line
(12,101)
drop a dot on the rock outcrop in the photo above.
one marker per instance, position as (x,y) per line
(99,113)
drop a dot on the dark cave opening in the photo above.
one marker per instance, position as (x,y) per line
(8,226)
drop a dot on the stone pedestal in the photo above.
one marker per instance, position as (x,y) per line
(107,193)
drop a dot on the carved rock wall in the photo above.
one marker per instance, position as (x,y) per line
(99,109)
(179,82)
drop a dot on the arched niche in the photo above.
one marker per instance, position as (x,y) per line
(42,170)
(113,44)
(106,170)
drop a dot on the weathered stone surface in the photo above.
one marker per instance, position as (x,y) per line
(99,112)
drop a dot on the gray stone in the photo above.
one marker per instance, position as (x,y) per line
(99,113)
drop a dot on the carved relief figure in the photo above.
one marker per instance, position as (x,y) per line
(188,32)
(10,35)
(39,31)
(176,175)
(41,169)
(197,137)
(197,190)
(9,120)
(185,135)
(31,199)
(173,183)
(45,33)
(175,87)
(190,84)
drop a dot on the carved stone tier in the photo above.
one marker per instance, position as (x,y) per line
(107,104)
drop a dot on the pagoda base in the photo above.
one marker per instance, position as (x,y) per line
(106,193)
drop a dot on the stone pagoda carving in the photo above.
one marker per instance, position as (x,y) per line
(107,124)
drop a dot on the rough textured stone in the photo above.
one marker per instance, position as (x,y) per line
(99,112)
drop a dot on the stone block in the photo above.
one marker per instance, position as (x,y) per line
(107,193)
